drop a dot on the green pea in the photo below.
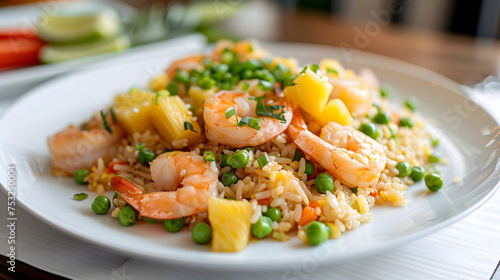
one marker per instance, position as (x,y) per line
(369,129)
(262,227)
(411,103)
(406,122)
(229,178)
(223,161)
(434,158)
(382,117)
(127,216)
(101,205)
(385,91)
(80,176)
(433,181)
(404,169)
(201,233)
(298,155)
(309,168)
(273,213)
(149,220)
(146,156)
(238,160)
(317,232)
(173,225)
(324,182)
(417,173)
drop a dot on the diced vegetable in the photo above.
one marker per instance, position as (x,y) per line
(308,215)
(133,110)
(198,96)
(336,233)
(230,221)
(169,118)
(19,49)
(332,66)
(159,82)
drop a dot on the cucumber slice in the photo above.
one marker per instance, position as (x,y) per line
(71,27)
(52,53)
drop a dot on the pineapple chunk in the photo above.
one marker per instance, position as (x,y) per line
(169,116)
(335,111)
(230,222)
(336,233)
(334,66)
(198,96)
(311,92)
(159,82)
(133,110)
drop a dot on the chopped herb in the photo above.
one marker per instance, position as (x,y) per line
(208,156)
(230,112)
(188,125)
(250,149)
(250,47)
(385,91)
(80,196)
(434,141)
(251,122)
(245,86)
(172,88)
(264,110)
(84,126)
(303,70)
(105,122)
(332,71)
(354,190)
(264,85)
(181,76)
(112,112)
(314,68)
(263,160)
(159,93)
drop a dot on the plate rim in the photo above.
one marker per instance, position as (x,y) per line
(373,248)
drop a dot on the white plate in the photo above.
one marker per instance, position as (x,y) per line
(470,142)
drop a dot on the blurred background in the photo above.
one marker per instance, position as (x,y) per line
(456,38)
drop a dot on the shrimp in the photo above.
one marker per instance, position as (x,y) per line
(188,180)
(74,148)
(187,64)
(348,154)
(226,131)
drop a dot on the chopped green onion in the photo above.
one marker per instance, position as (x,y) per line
(263,160)
(250,149)
(105,122)
(314,68)
(332,71)
(230,112)
(303,70)
(112,112)
(411,103)
(206,83)
(385,91)
(251,122)
(80,196)
(188,125)
(264,85)
(434,141)
(139,146)
(245,86)
(181,76)
(84,126)
(208,156)
(159,93)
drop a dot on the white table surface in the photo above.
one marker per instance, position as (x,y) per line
(468,249)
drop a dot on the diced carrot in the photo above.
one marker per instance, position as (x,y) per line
(264,201)
(308,215)
(374,191)
(395,117)
(111,166)
(314,204)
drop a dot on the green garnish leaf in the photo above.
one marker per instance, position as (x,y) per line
(105,122)
(80,196)
(112,112)
(208,156)
(314,68)
(263,160)
(333,71)
(188,125)
(264,110)
(230,112)
(354,190)
(172,88)
(303,70)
